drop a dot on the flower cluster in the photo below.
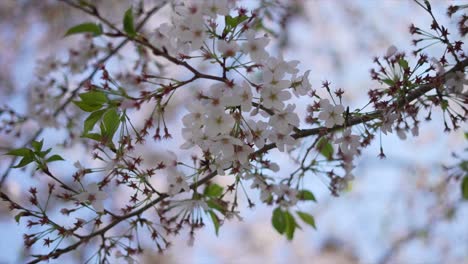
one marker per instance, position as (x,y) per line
(230,123)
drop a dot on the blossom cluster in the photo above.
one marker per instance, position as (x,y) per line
(230,122)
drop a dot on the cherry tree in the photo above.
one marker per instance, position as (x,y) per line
(239,106)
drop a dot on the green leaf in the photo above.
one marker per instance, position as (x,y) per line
(37,145)
(89,27)
(306,195)
(86,107)
(110,122)
(215,220)
(20,152)
(94,136)
(92,119)
(444,104)
(464,188)
(94,98)
(232,22)
(290,225)
(213,190)
(54,158)
(389,82)
(307,218)
(18,216)
(128,25)
(325,148)
(464,165)
(403,63)
(25,161)
(215,205)
(278,219)
(42,154)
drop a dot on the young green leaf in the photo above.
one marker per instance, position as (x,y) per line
(290,225)
(44,153)
(307,218)
(464,165)
(389,82)
(86,107)
(92,119)
(93,98)
(93,136)
(19,215)
(403,63)
(213,190)
(54,158)
(25,161)
(278,219)
(22,152)
(305,195)
(464,188)
(37,145)
(129,27)
(110,122)
(89,27)
(215,220)
(212,203)
(232,22)
(325,148)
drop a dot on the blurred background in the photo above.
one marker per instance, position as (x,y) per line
(402,209)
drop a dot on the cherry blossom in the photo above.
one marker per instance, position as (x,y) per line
(255,47)
(176,182)
(348,143)
(332,115)
(93,196)
(228,49)
(274,98)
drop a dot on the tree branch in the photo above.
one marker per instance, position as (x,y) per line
(303,133)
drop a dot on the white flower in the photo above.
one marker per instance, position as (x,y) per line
(195,137)
(303,86)
(455,82)
(438,66)
(255,47)
(195,116)
(391,51)
(241,154)
(228,49)
(274,98)
(282,120)
(415,131)
(387,123)
(92,195)
(332,115)
(257,132)
(218,122)
(281,140)
(225,144)
(163,38)
(213,8)
(244,92)
(348,143)
(285,191)
(120,255)
(281,66)
(78,165)
(401,133)
(191,28)
(176,181)
(273,79)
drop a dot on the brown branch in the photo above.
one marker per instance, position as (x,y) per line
(303,133)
